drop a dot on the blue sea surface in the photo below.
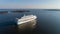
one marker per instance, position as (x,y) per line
(47,21)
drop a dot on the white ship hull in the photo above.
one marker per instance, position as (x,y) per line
(27,22)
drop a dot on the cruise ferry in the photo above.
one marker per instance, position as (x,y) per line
(27,22)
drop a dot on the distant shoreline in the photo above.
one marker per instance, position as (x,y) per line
(13,11)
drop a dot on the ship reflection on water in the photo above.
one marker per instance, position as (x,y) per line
(13,29)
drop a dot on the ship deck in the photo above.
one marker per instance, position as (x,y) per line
(26,19)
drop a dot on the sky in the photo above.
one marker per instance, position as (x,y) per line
(38,4)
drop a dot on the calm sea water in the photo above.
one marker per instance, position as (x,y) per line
(47,21)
